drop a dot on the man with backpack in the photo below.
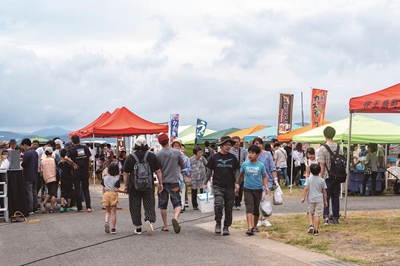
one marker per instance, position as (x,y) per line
(208,151)
(139,184)
(333,170)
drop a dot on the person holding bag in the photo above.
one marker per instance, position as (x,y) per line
(370,169)
(198,165)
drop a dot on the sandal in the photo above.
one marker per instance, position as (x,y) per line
(165,229)
(51,211)
(89,210)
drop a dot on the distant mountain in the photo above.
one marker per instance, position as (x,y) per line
(55,131)
(7,135)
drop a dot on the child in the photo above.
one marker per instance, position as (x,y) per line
(49,169)
(66,182)
(100,166)
(315,192)
(111,186)
(255,176)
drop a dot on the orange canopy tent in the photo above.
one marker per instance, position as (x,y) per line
(122,122)
(289,136)
(87,131)
(246,131)
(383,101)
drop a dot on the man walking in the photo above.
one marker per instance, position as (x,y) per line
(225,167)
(80,157)
(241,155)
(30,172)
(333,190)
(171,163)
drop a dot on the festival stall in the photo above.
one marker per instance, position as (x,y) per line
(214,137)
(246,131)
(266,134)
(289,136)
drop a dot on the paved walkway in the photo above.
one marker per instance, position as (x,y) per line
(79,239)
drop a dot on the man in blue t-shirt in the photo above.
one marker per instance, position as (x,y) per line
(255,176)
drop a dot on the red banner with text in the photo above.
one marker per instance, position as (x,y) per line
(318,105)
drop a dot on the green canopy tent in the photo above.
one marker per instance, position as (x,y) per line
(364,130)
(214,137)
(42,141)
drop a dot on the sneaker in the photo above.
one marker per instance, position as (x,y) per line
(335,222)
(62,209)
(311,229)
(225,231)
(113,231)
(249,232)
(149,228)
(260,223)
(195,208)
(326,222)
(218,229)
(186,205)
(42,207)
(36,211)
(267,223)
(255,230)
(138,231)
(316,232)
(107,228)
(176,226)
(73,208)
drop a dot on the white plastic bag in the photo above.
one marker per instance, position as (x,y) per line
(278,196)
(266,206)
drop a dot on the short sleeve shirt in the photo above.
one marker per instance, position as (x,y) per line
(253,174)
(325,157)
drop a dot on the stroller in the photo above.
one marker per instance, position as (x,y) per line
(395,172)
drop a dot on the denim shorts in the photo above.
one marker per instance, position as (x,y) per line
(174,195)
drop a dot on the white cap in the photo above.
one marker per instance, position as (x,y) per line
(141,141)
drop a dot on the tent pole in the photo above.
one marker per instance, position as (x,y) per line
(347,166)
(291,173)
(94,165)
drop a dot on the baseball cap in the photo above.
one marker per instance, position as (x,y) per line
(12,141)
(163,138)
(48,150)
(141,141)
(58,141)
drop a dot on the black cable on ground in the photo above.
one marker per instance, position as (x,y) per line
(106,241)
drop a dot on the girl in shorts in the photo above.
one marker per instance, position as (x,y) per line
(111,185)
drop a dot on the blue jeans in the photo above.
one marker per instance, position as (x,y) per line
(175,196)
(332,194)
(285,175)
(31,192)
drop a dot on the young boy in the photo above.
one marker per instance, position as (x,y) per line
(49,168)
(254,175)
(111,185)
(315,192)
(66,181)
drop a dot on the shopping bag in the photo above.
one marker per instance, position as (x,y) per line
(278,196)
(265,206)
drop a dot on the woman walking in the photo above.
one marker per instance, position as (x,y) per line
(199,165)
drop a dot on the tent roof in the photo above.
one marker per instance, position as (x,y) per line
(266,134)
(289,136)
(383,101)
(246,131)
(40,139)
(87,130)
(122,122)
(213,137)
(190,138)
(364,130)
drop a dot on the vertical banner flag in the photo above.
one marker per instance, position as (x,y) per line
(318,104)
(285,113)
(174,126)
(121,146)
(200,129)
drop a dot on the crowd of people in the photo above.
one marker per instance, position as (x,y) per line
(233,171)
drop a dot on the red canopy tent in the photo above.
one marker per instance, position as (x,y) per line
(86,131)
(383,101)
(122,122)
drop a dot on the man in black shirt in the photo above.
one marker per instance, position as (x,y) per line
(80,157)
(223,165)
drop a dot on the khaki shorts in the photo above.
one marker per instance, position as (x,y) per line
(316,208)
(110,198)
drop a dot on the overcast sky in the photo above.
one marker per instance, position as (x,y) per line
(63,63)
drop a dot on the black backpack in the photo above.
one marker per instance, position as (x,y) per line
(337,173)
(142,174)
(206,152)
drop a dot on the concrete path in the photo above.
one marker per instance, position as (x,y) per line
(79,239)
